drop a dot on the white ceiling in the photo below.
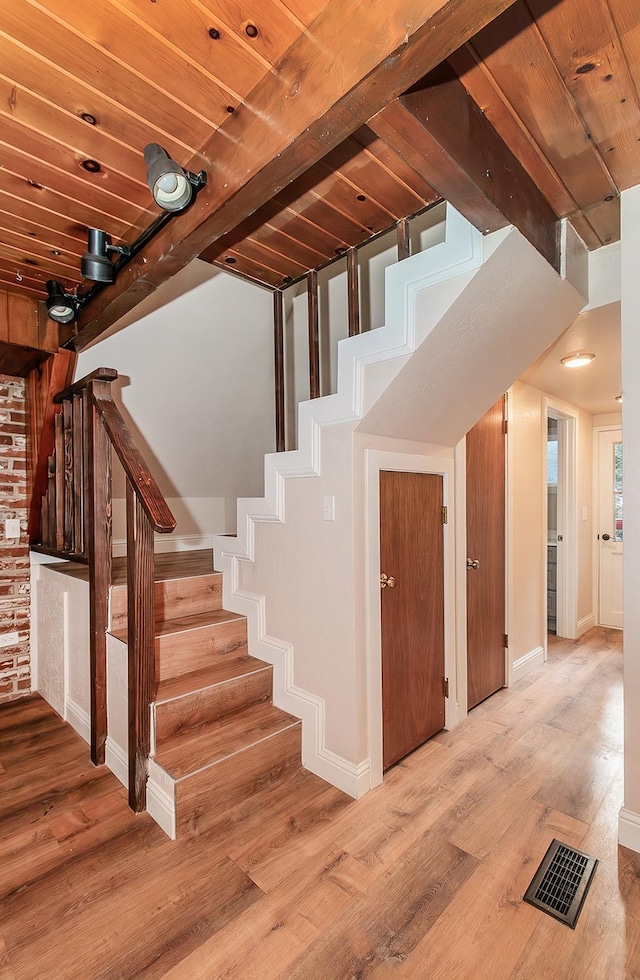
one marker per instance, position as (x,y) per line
(595,386)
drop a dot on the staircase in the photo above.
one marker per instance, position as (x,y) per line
(216,739)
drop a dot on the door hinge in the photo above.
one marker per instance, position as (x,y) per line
(445,686)
(445,515)
(506,427)
(506,640)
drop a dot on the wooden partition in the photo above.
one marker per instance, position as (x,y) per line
(75,523)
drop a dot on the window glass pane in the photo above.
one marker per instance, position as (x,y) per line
(617,487)
(552,462)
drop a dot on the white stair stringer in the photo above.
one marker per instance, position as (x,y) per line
(452,262)
(308,573)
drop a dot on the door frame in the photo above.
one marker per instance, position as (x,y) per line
(597,429)
(376,460)
(567,558)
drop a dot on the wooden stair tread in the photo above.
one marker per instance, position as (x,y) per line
(193,750)
(176,564)
(217,673)
(182,624)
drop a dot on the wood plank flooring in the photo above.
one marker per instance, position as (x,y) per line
(422,878)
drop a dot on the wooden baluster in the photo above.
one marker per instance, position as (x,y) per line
(51,501)
(141,638)
(314,347)
(59,478)
(68,511)
(278,340)
(78,450)
(404,242)
(99,548)
(44,521)
(353,292)
(86,442)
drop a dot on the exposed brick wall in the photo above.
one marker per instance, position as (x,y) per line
(15,673)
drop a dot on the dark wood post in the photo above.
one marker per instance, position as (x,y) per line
(404,242)
(353,292)
(278,342)
(314,346)
(141,641)
(99,547)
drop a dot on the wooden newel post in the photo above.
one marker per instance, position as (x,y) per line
(99,549)
(141,643)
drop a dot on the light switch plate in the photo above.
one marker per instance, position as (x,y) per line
(12,528)
(328,508)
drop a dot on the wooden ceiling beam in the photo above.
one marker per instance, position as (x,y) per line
(445,136)
(338,74)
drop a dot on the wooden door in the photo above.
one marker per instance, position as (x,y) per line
(412,610)
(486,546)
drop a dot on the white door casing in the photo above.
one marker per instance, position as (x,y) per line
(610,526)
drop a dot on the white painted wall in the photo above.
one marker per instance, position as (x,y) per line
(527,555)
(630,285)
(197,390)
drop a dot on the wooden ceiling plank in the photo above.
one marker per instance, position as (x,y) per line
(331,80)
(395,166)
(72,211)
(44,117)
(42,78)
(184,28)
(269,258)
(34,292)
(369,177)
(324,215)
(524,70)
(58,267)
(439,128)
(626,14)
(483,89)
(31,277)
(586,49)
(135,49)
(245,266)
(50,38)
(306,11)
(36,246)
(294,253)
(630,42)
(277,30)
(586,231)
(38,158)
(604,218)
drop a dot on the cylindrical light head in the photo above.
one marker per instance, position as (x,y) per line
(95,263)
(60,306)
(167,181)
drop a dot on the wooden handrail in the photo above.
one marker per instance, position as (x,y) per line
(76,524)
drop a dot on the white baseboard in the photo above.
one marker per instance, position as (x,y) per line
(629,829)
(586,623)
(523,665)
(161,799)
(117,760)
(169,543)
(78,718)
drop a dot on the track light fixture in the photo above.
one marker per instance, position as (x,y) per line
(173,188)
(95,263)
(60,305)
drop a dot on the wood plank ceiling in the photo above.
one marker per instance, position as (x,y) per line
(85,87)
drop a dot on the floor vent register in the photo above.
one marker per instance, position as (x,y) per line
(560,885)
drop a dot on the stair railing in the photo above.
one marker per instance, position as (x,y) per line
(76,523)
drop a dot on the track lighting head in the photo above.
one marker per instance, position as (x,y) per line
(60,305)
(173,188)
(95,263)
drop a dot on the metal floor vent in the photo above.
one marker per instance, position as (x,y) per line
(561,883)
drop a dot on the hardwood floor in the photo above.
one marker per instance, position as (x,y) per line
(422,878)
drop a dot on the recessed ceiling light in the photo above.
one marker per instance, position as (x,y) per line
(577,360)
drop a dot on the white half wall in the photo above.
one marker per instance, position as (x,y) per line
(196,387)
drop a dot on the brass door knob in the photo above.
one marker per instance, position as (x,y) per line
(473,564)
(387,581)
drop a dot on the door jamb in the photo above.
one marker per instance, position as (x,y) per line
(376,460)
(597,429)
(567,568)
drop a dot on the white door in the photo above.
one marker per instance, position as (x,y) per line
(610,527)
